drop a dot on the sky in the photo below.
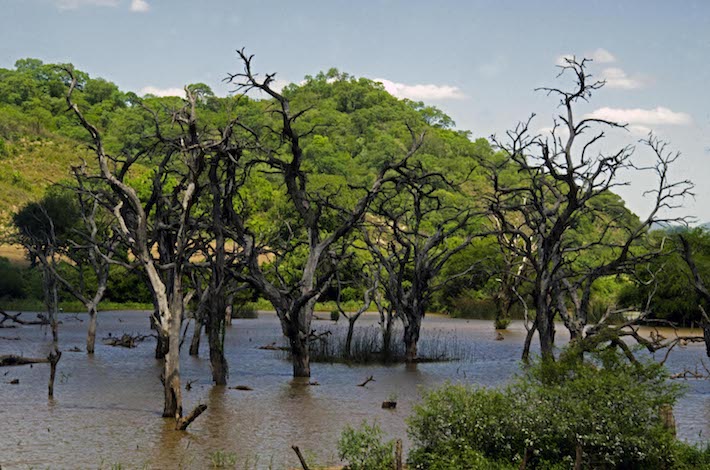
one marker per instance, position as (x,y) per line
(479,61)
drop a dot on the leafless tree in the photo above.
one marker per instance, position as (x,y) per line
(565,182)
(281,152)
(178,150)
(416,226)
(370,281)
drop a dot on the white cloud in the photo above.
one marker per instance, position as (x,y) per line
(638,130)
(602,56)
(151,90)
(74,4)
(599,56)
(139,6)
(562,59)
(422,92)
(617,78)
(658,116)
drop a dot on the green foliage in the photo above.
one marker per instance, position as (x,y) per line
(334,315)
(12,284)
(364,449)
(608,406)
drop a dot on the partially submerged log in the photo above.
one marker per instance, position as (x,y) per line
(273,347)
(242,387)
(185,421)
(367,380)
(41,319)
(12,360)
(125,340)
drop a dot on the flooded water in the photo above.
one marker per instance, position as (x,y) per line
(107,408)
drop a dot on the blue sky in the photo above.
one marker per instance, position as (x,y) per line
(479,61)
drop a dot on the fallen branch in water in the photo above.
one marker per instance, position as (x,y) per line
(185,421)
(125,340)
(42,319)
(367,380)
(300,457)
(12,360)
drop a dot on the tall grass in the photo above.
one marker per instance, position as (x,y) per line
(367,346)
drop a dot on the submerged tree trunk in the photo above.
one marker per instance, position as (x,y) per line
(299,342)
(91,332)
(196,333)
(215,336)
(51,297)
(349,338)
(411,336)
(173,394)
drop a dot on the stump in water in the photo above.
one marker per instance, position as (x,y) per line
(389,405)
(667,418)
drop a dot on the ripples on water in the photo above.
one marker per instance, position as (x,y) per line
(107,408)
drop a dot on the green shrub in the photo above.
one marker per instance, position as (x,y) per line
(363,448)
(501,323)
(606,405)
(335,315)
(245,311)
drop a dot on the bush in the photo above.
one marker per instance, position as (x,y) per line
(607,406)
(363,448)
(335,315)
(246,310)
(501,323)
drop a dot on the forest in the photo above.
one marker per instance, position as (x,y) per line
(333,200)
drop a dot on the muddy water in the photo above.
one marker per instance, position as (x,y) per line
(107,408)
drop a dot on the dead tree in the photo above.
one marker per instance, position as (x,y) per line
(294,299)
(90,242)
(41,228)
(417,225)
(371,286)
(562,185)
(177,150)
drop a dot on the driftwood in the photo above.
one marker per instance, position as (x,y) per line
(389,405)
(185,421)
(241,387)
(300,457)
(41,319)
(367,380)
(125,340)
(188,385)
(12,360)
(10,338)
(273,347)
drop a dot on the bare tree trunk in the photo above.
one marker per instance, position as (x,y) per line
(195,343)
(349,338)
(215,335)
(528,342)
(300,350)
(91,332)
(228,310)
(53,357)
(173,395)
(546,332)
(411,337)
(172,322)
(51,300)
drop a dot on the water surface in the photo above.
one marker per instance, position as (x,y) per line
(107,407)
